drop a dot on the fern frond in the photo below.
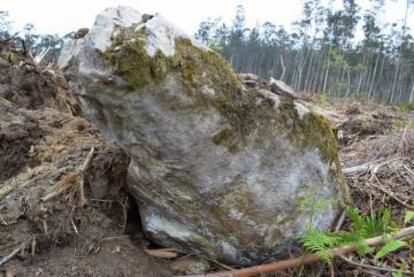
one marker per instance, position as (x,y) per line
(375,224)
(364,226)
(363,248)
(321,243)
(409,215)
(389,247)
(348,238)
(356,218)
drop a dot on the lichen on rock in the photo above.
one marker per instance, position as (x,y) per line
(217,169)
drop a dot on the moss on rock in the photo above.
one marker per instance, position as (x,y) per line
(129,59)
(313,131)
(229,165)
(221,136)
(197,68)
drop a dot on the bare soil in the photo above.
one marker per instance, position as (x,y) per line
(60,227)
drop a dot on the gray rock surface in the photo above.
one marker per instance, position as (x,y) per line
(281,88)
(250,80)
(218,169)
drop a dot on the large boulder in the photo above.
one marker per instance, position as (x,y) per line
(218,169)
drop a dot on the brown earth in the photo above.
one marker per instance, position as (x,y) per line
(44,144)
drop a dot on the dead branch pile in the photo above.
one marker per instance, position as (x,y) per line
(381,168)
(379,165)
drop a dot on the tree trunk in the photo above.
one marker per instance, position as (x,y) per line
(282,77)
(327,71)
(373,78)
(360,75)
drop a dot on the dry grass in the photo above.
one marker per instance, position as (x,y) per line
(385,180)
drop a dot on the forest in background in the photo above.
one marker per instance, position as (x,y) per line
(320,54)
(46,45)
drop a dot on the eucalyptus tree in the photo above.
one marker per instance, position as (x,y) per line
(5,26)
(321,53)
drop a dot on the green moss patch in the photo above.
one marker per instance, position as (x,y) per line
(221,136)
(129,59)
(246,110)
(197,68)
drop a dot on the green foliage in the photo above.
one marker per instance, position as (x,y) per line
(324,99)
(321,243)
(309,203)
(406,107)
(371,225)
(358,67)
(397,274)
(389,247)
(338,59)
(409,215)
(215,46)
(364,226)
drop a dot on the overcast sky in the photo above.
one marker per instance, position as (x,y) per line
(63,16)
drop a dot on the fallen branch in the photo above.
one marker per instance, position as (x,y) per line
(359,168)
(20,181)
(337,227)
(372,273)
(166,253)
(68,180)
(83,169)
(367,166)
(390,194)
(7,258)
(340,221)
(409,170)
(308,258)
(64,184)
(403,141)
(372,267)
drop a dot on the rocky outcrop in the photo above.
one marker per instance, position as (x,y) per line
(217,169)
(276,86)
(281,88)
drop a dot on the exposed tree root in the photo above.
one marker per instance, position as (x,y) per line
(73,178)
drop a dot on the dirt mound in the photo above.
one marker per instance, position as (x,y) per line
(18,132)
(63,209)
(31,86)
(360,126)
